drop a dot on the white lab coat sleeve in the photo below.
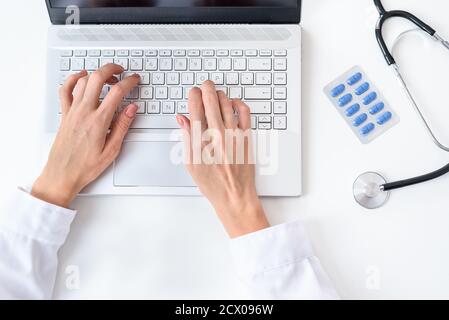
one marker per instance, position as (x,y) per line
(279,263)
(31,233)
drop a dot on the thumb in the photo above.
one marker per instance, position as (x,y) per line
(119,130)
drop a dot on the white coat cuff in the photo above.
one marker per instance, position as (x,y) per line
(271,248)
(36,219)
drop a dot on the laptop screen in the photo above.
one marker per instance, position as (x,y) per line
(173,3)
(177,11)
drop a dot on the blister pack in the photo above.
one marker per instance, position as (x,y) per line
(361,105)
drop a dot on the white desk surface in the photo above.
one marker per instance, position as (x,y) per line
(159,247)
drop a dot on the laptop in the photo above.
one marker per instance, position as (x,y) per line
(251,49)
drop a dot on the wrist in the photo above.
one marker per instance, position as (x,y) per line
(53,192)
(247,216)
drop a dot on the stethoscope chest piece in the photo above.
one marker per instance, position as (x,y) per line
(368,190)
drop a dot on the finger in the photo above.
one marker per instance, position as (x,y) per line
(227,111)
(112,80)
(118,132)
(184,124)
(244,114)
(211,105)
(97,80)
(66,90)
(196,108)
(115,96)
(78,92)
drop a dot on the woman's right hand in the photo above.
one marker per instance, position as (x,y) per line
(228,183)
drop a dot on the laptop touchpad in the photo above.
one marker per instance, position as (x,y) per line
(151,164)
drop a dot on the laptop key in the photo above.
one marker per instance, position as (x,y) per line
(165,53)
(168,107)
(77,64)
(94,53)
(140,107)
(222,53)
(239,64)
(153,107)
(64,64)
(155,122)
(258,93)
(146,92)
(92,64)
(136,64)
(251,53)
(144,77)
(280,93)
(259,64)
(158,78)
(122,62)
(106,61)
(208,53)
(151,53)
(80,53)
(265,53)
(182,107)
(161,93)
(280,123)
(259,107)
(122,53)
(180,64)
(179,53)
(201,77)
(173,78)
(166,64)
(280,53)
(136,53)
(236,53)
(176,93)
(193,53)
(280,64)
(66,53)
(150,64)
(108,53)
(187,78)
(235,93)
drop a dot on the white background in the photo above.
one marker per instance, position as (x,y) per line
(161,247)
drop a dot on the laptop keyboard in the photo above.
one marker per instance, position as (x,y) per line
(258,77)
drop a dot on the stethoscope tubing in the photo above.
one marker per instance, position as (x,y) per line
(384,16)
(416,180)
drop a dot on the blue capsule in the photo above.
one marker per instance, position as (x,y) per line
(377,108)
(384,118)
(362,89)
(367,129)
(369,98)
(354,79)
(352,110)
(345,100)
(338,90)
(360,119)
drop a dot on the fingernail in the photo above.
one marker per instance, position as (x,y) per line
(82,72)
(136,75)
(180,121)
(131,111)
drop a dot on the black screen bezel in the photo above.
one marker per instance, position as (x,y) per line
(130,15)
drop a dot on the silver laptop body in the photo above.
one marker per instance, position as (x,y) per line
(252,53)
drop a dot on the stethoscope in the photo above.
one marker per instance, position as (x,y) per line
(371,190)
